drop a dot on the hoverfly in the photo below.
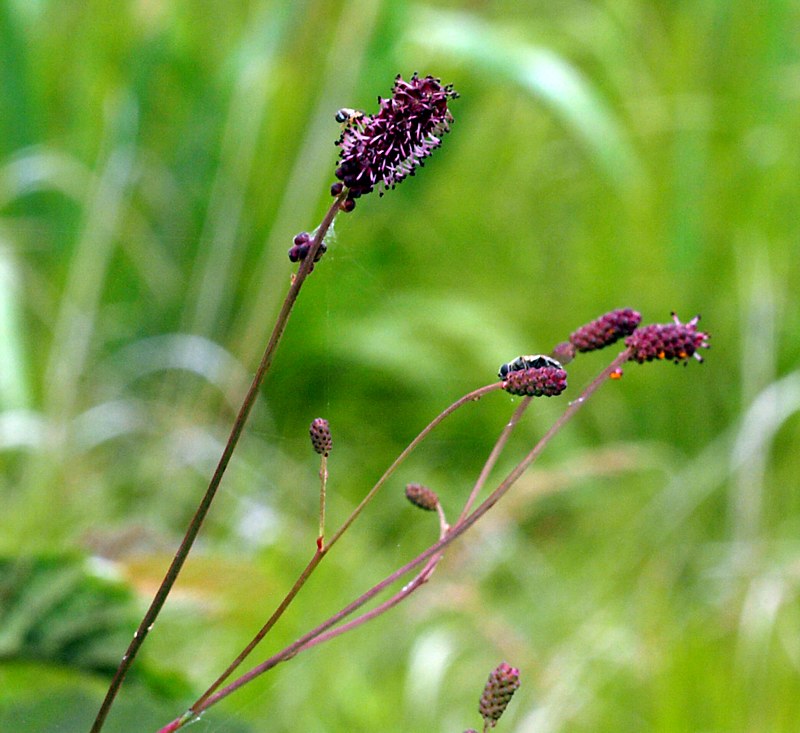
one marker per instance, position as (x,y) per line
(348,117)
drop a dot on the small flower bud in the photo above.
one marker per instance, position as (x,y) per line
(503,682)
(422,497)
(337,188)
(605,330)
(546,381)
(320,433)
(564,352)
(674,341)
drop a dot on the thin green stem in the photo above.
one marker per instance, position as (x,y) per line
(196,522)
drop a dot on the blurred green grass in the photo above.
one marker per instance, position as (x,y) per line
(157,159)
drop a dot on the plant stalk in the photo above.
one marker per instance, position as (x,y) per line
(196,522)
(325,630)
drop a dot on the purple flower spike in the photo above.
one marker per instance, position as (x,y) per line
(384,148)
(605,330)
(503,682)
(674,341)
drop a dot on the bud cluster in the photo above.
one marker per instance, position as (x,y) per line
(503,682)
(674,341)
(302,244)
(320,432)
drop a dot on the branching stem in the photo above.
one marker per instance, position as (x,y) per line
(323,548)
(430,556)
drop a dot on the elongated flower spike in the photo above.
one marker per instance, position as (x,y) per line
(606,330)
(503,682)
(675,341)
(564,352)
(384,148)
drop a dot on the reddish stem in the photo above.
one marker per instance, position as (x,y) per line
(321,633)
(196,522)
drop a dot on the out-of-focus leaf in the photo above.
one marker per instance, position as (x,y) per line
(37,698)
(57,610)
(542,73)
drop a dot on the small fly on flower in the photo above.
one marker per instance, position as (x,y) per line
(347,117)
(529,361)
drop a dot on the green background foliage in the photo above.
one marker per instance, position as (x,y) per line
(156,159)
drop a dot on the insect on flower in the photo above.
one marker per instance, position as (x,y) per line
(529,361)
(348,117)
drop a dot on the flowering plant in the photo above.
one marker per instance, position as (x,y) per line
(381,150)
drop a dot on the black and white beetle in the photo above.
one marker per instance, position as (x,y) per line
(529,361)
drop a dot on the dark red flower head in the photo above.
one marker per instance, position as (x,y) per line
(382,149)
(674,341)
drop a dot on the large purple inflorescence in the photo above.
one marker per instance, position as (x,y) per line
(382,149)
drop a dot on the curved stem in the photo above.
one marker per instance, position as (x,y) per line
(310,638)
(323,548)
(469,397)
(284,604)
(196,522)
(494,455)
